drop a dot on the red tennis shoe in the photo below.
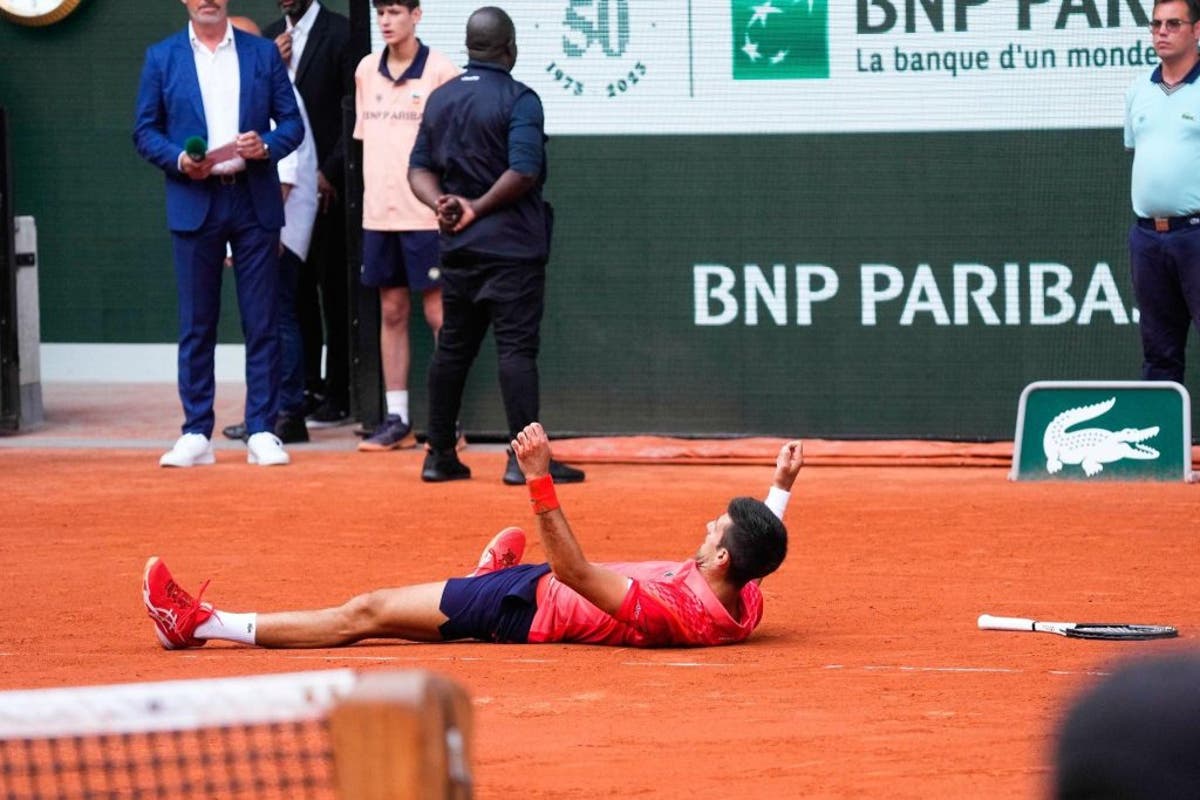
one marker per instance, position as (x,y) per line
(503,551)
(176,613)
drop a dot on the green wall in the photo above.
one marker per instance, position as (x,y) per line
(636,214)
(104,254)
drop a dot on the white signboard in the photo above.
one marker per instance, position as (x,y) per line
(814,66)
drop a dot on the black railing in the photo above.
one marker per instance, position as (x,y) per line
(10,362)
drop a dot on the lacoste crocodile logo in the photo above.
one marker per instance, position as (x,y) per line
(1092,448)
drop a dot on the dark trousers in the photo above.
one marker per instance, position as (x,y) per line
(322,302)
(475,295)
(291,344)
(199,264)
(1166,284)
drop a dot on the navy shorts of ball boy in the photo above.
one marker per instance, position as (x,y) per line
(495,607)
(401,259)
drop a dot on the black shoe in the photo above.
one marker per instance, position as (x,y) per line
(443,465)
(290,430)
(564,474)
(312,401)
(236,432)
(329,415)
(559,471)
(512,471)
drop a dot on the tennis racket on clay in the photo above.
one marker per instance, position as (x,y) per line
(1078,630)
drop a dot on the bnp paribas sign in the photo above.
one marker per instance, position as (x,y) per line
(1103,430)
(780,39)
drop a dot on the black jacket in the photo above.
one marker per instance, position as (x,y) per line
(324,76)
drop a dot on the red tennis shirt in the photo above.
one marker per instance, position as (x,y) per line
(668,604)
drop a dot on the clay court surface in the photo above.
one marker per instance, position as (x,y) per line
(866,679)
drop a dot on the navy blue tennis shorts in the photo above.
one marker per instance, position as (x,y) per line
(401,258)
(496,607)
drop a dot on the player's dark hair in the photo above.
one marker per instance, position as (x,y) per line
(756,540)
(411,5)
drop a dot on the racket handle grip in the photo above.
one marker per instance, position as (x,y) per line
(989,623)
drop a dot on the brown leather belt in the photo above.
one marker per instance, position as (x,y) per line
(1166,224)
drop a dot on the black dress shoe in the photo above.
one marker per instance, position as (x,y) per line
(559,471)
(443,465)
(236,432)
(329,415)
(564,474)
(512,471)
(290,430)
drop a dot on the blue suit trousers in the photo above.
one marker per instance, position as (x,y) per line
(199,265)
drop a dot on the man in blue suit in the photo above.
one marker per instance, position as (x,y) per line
(225,86)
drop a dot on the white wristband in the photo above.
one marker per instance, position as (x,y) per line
(777,500)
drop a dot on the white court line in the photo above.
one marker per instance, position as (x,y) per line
(672,664)
(444,659)
(693,665)
(991,670)
(678,664)
(904,668)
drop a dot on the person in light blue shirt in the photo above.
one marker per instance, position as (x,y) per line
(1162,127)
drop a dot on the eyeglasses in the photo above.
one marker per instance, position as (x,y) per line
(1172,25)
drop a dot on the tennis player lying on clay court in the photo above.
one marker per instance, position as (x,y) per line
(711,599)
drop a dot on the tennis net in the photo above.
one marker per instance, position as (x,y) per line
(328,735)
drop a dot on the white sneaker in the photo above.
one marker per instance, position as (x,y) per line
(190,450)
(266,450)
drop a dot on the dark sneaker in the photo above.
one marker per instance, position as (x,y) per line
(512,471)
(393,434)
(564,474)
(329,415)
(443,465)
(290,429)
(236,432)
(559,471)
(312,401)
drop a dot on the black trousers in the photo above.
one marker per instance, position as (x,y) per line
(1166,284)
(478,293)
(323,307)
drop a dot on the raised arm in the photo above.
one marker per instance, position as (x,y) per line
(604,588)
(787,467)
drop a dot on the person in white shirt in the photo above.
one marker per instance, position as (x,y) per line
(221,85)
(298,180)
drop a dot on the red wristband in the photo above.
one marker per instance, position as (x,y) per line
(541,494)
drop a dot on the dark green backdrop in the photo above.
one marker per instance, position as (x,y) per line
(622,352)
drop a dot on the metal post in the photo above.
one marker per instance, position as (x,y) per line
(10,387)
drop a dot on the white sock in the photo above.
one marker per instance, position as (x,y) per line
(230,627)
(397,403)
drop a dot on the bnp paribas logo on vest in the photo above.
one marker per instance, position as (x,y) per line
(780,39)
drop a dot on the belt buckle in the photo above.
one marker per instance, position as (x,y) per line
(228,178)
(1162,224)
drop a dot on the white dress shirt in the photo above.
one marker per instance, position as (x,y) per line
(299,33)
(299,169)
(220,91)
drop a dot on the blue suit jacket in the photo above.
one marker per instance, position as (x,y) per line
(170,109)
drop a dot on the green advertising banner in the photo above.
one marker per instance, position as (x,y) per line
(1095,431)
(894,249)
